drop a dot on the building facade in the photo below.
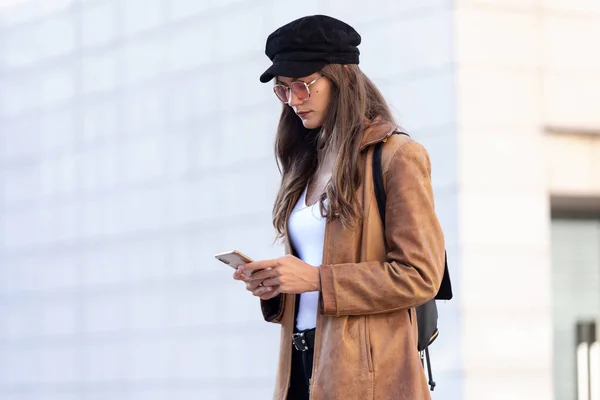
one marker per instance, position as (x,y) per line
(136,142)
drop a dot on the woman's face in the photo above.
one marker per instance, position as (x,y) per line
(312,110)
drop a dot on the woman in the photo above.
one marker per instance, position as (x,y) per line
(346,290)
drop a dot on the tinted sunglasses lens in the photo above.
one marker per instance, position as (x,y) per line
(281,92)
(300,90)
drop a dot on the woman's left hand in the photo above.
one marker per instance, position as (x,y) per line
(287,274)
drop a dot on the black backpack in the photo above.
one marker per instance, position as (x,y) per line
(427,314)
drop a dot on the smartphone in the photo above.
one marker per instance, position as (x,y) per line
(234,259)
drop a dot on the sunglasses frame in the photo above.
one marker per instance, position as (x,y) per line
(289,89)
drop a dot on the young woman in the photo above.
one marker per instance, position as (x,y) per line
(345,292)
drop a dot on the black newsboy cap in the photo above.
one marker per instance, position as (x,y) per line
(304,46)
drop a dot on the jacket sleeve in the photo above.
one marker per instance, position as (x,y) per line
(272,309)
(414,268)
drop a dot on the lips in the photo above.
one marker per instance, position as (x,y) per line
(303,114)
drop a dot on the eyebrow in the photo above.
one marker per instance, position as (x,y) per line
(278,81)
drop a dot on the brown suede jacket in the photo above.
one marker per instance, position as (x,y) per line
(366,335)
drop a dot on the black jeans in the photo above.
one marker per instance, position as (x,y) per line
(302,362)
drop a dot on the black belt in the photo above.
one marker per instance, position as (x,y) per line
(305,340)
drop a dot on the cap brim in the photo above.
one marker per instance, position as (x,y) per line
(292,69)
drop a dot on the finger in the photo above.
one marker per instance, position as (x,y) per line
(261,290)
(253,266)
(271,294)
(264,274)
(240,277)
(251,286)
(275,281)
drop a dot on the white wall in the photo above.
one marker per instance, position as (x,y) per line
(504,207)
(136,142)
(521,70)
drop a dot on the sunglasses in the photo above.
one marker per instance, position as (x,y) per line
(300,89)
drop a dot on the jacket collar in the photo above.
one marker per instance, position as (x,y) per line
(376,132)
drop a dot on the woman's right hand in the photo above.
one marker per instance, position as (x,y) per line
(255,287)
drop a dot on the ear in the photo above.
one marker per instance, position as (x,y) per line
(348,76)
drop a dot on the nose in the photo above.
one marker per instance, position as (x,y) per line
(294,100)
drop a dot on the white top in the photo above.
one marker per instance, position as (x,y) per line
(306,227)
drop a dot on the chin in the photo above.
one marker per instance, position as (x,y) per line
(311,123)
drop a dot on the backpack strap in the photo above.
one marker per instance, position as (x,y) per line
(378,181)
(378,177)
(445,291)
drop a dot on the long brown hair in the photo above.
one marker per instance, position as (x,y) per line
(354,102)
